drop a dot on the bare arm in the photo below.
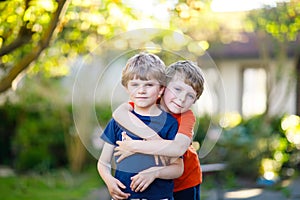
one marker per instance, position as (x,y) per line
(143,179)
(171,148)
(129,121)
(104,168)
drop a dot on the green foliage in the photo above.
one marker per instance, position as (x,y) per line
(39,140)
(81,28)
(8,117)
(36,127)
(104,114)
(202,124)
(252,146)
(282,21)
(37,133)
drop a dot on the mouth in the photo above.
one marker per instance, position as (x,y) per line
(142,98)
(177,105)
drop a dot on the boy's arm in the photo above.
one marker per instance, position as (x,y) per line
(104,168)
(143,179)
(172,148)
(130,122)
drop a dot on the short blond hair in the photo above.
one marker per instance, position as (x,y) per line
(190,72)
(144,66)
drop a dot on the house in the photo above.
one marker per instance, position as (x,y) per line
(252,83)
(238,79)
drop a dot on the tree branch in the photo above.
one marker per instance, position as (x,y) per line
(24,36)
(6,82)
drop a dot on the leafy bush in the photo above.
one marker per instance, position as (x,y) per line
(39,141)
(35,134)
(253,147)
(8,117)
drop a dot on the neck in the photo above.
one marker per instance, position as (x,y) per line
(151,111)
(163,105)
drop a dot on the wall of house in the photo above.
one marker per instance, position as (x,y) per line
(226,78)
(282,97)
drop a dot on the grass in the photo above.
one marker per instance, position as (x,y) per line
(58,185)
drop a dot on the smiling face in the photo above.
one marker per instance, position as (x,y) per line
(144,94)
(178,96)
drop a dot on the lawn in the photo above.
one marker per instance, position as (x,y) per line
(58,185)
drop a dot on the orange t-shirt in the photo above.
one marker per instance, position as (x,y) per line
(192,174)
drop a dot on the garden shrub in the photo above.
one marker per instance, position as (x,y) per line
(246,146)
(39,142)
(33,137)
(8,117)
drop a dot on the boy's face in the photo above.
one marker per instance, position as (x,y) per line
(178,96)
(144,93)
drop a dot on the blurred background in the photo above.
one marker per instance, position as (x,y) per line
(60,67)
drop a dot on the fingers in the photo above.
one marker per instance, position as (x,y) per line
(138,184)
(141,182)
(120,184)
(120,159)
(120,196)
(163,161)
(156,158)
(122,155)
(117,193)
(125,136)
(118,152)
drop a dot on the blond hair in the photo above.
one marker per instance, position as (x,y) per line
(144,66)
(189,72)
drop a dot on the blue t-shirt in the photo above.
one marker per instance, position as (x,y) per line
(166,126)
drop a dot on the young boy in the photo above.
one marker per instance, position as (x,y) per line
(185,85)
(144,79)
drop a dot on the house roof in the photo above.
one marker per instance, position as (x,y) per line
(250,46)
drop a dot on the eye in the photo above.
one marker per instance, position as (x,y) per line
(191,96)
(134,84)
(177,89)
(149,85)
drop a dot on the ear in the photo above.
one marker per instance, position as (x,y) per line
(161,91)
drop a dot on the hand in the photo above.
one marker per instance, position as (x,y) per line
(114,187)
(121,150)
(143,179)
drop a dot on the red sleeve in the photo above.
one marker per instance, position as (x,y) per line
(186,123)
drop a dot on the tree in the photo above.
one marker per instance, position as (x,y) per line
(282,24)
(45,35)
(29,37)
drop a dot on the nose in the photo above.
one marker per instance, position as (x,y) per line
(141,90)
(181,96)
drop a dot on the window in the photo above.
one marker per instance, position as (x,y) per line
(254,91)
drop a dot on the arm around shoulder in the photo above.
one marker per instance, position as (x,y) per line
(129,121)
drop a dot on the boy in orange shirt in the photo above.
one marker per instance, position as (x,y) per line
(185,85)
